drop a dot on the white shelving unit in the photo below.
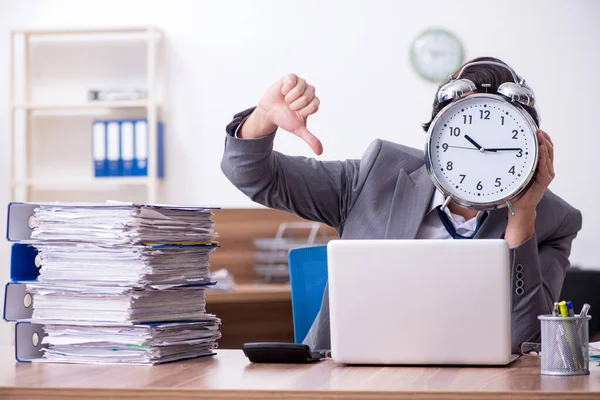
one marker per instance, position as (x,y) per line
(24,109)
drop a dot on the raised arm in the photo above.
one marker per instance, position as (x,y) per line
(539,263)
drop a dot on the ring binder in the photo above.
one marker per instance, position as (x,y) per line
(110,282)
(127,147)
(99,148)
(113,152)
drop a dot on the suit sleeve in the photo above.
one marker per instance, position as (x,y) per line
(321,191)
(537,275)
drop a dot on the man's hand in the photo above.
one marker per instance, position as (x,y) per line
(286,104)
(521,226)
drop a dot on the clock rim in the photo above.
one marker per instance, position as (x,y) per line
(436,79)
(492,205)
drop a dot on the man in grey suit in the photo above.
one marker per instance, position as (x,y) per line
(388,194)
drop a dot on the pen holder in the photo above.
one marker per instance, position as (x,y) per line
(565,343)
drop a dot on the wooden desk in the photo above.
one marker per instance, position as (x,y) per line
(229,375)
(253,313)
(247,293)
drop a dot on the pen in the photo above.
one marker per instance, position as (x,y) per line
(564,312)
(559,336)
(584,310)
(570,309)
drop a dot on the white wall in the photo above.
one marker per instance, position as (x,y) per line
(223,54)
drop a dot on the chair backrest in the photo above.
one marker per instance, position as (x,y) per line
(308,277)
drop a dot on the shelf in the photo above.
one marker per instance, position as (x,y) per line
(96,105)
(249,293)
(91,183)
(70,110)
(89,31)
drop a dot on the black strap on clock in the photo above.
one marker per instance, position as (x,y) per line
(450,226)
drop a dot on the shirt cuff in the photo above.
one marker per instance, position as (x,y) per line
(234,126)
(237,130)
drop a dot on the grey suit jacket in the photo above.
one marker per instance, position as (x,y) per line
(385,195)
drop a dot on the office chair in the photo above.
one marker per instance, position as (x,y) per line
(308,276)
(581,286)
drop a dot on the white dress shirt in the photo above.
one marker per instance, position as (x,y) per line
(433,228)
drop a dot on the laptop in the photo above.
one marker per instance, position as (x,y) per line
(420,302)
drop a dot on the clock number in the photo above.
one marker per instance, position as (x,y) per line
(484,112)
(512,170)
(520,153)
(470,117)
(479,186)
(515,133)
(502,118)
(445,146)
(462,178)
(498,182)
(449,166)
(454,131)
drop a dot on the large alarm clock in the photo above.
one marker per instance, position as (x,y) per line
(481,149)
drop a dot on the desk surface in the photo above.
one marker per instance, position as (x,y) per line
(230,376)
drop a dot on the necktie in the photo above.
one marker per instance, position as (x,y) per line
(450,226)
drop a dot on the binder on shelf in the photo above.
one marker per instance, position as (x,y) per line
(160,166)
(120,148)
(113,145)
(142,148)
(127,148)
(99,148)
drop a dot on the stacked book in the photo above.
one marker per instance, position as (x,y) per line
(122,283)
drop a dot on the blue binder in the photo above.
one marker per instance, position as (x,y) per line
(99,149)
(160,149)
(127,147)
(113,148)
(140,167)
(25,265)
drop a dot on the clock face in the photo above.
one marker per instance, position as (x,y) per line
(435,54)
(482,150)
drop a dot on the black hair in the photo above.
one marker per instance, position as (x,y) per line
(480,74)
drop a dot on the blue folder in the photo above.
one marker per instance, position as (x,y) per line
(140,164)
(99,148)
(113,148)
(127,147)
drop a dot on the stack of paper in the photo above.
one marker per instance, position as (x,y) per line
(116,304)
(135,265)
(137,344)
(122,223)
(123,283)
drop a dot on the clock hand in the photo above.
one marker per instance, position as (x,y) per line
(474,143)
(461,147)
(504,149)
